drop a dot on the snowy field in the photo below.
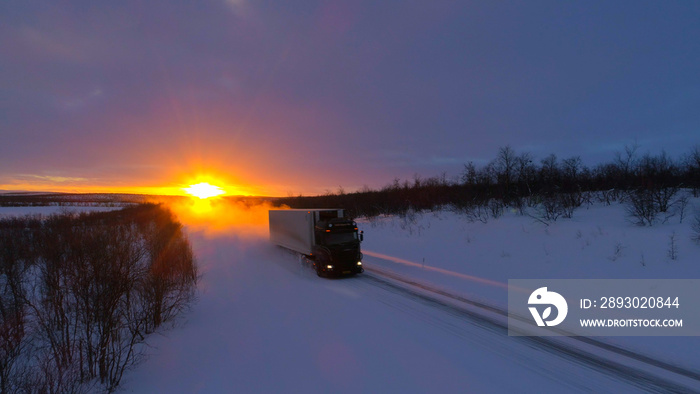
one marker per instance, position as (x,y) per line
(475,259)
(265,322)
(6,212)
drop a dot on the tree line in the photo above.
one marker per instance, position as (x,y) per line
(551,186)
(79,293)
(71,199)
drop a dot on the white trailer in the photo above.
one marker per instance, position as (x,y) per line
(294,228)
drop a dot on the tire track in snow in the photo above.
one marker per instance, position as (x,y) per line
(636,369)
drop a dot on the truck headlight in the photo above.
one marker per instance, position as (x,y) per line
(330,267)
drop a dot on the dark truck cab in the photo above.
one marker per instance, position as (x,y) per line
(337,248)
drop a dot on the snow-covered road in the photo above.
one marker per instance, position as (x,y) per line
(266,323)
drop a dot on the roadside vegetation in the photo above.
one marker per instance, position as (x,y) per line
(652,187)
(30,199)
(79,294)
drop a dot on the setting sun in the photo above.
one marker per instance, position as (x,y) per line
(204,190)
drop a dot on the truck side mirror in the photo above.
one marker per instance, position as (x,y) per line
(362,236)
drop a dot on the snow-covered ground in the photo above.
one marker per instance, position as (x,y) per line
(598,242)
(476,259)
(265,323)
(6,212)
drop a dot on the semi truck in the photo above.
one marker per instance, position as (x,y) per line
(324,237)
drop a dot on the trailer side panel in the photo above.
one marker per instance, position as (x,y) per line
(292,229)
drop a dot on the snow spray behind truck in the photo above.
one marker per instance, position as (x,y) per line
(327,239)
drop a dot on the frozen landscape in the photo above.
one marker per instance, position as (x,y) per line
(503,159)
(426,316)
(265,322)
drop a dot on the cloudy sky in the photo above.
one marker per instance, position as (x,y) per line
(282,98)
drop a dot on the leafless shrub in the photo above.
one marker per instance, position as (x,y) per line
(519,204)
(673,246)
(663,196)
(496,207)
(93,286)
(681,205)
(550,209)
(695,236)
(587,198)
(409,222)
(642,208)
(608,196)
(617,251)
(569,202)
(13,314)
(475,213)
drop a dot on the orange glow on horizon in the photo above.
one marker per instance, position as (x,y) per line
(182,186)
(198,150)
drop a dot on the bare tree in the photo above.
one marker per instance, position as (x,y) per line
(626,161)
(505,166)
(469,174)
